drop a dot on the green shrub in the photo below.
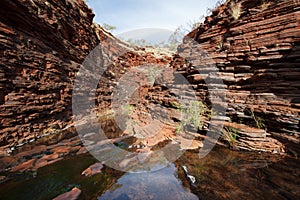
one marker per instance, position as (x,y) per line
(258,120)
(230,135)
(192,114)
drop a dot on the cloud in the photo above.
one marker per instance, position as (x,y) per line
(128,15)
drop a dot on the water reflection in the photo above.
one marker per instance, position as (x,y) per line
(223,174)
(162,184)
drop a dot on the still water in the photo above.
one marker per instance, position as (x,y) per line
(223,174)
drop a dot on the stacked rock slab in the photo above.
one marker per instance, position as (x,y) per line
(257,57)
(43,45)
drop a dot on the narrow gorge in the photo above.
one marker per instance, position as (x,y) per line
(229,94)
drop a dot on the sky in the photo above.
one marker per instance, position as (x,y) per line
(129,15)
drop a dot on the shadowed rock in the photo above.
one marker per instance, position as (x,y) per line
(71,195)
(93,169)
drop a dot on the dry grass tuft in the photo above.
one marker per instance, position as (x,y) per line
(235,10)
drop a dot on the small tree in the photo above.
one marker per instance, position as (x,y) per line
(108,27)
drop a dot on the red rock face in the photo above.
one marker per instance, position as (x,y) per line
(257,57)
(43,44)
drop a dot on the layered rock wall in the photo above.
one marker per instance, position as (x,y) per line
(257,56)
(43,45)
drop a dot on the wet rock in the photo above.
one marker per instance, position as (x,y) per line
(93,169)
(40,163)
(28,165)
(3,179)
(61,150)
(82,150)
(7,162)
(54,161)
(75,149)
(71,195)
(35,151)
(51,157)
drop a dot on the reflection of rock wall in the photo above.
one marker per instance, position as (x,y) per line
(43,45)
(258,58)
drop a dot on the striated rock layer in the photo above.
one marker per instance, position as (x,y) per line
(43,44)
(257,57)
